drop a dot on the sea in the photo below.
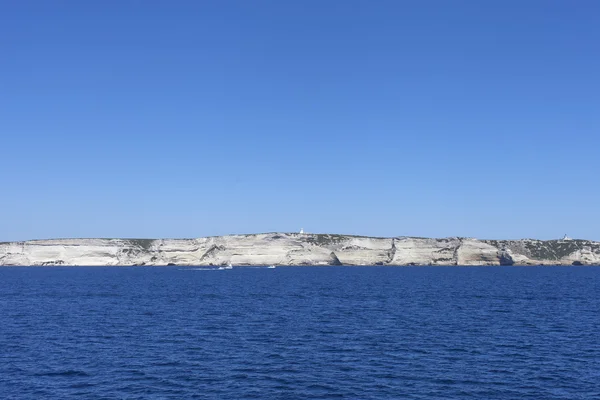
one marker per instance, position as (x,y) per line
(300,333)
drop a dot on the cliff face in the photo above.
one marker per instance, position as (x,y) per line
(300,249)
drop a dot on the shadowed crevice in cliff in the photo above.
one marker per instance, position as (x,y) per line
(212,252)
(455,254)
(445,255)
(144,244)
(391,252)
(505,258)
(334,259)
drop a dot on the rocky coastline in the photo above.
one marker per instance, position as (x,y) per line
(299,249)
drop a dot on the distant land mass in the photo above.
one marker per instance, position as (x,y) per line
(299,249)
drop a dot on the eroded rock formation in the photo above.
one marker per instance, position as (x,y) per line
(300,249)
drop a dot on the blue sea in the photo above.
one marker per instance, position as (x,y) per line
(300,333)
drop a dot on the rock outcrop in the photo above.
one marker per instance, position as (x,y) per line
(300,249)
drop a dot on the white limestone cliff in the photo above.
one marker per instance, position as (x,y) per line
(299,249)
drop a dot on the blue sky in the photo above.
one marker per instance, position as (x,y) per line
(194,118)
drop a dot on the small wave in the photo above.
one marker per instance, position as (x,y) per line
(68,372)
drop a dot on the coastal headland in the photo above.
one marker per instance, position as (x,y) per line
(299,249)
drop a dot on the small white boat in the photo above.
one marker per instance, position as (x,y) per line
(271,266)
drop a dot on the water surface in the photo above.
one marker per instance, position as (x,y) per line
(300,333)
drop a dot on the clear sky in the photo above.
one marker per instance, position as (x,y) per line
(194,118)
